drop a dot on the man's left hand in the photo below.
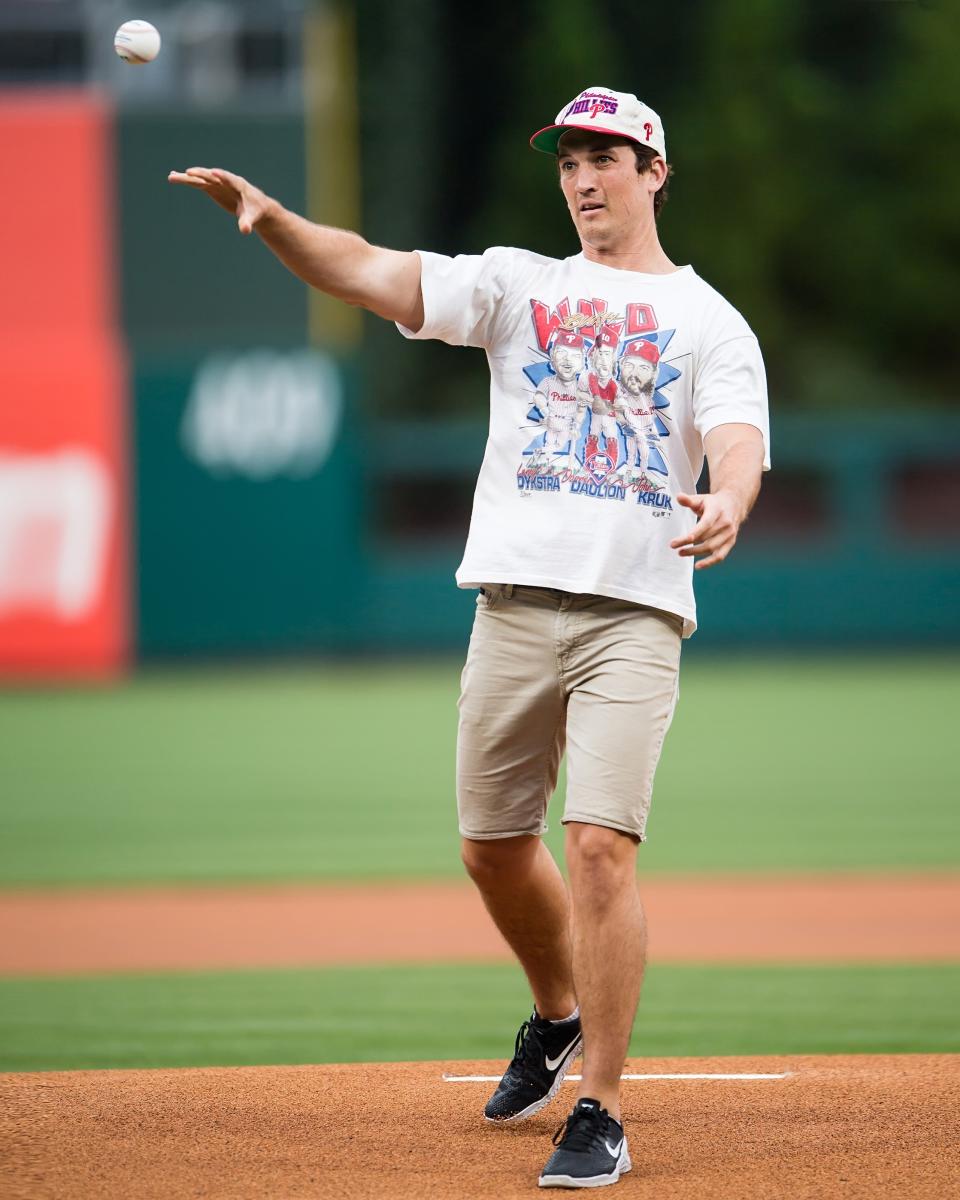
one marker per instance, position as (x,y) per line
(719,517)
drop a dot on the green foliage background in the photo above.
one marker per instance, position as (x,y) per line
(815,183)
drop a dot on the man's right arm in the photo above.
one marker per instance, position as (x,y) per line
(335,261)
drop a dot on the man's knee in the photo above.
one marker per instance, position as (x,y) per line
(599,859)
(493,858)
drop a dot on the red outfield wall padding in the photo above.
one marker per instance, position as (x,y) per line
(57,235)
(64,589)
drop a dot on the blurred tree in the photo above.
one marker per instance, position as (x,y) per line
(400,51)
(745,138)
(556,56)
(898,289)
(814,185)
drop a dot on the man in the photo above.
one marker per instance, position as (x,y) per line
(559,405)
(636,405)
(584,596)
(598,389)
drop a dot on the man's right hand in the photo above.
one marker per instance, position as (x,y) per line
(340,263)
(232,192)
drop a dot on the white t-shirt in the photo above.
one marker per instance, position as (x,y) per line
(601,528)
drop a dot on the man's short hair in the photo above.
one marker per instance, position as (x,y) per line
(645,157)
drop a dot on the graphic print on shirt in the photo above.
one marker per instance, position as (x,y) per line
(598,404)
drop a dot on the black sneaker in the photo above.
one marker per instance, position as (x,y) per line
(544,1053)
(591,1150)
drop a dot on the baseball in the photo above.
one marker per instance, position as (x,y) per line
(137,42)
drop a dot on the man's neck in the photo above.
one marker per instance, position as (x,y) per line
(642,252)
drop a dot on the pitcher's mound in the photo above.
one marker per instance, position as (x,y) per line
(818,1128)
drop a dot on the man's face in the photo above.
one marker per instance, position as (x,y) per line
(636,374)
(603,361)
(606,196)
(566,362)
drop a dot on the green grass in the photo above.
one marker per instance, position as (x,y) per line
(458,1013)
(335,772)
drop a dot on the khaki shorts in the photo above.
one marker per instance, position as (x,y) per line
(547,670)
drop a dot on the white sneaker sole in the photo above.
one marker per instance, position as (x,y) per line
(571,1181)
(537,1105)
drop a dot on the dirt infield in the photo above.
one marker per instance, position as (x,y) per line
(835,1127)
(830,918)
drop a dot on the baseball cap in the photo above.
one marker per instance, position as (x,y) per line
(605,111)
(609,335)
(566,337)
(643,349)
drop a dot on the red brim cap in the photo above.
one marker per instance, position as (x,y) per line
(546,139)
(643,348)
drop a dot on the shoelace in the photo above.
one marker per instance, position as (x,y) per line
(580,1130)
(520,1048)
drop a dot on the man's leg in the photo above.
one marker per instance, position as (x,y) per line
(611,443)
(609,951)
(509,744)
(512,709)
(621,672)
(526,896)
(624,688)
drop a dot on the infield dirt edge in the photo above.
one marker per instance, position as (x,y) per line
(837,1126)
(745,919)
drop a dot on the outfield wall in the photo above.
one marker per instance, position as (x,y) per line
(64,515)
(853,541)
(348,540)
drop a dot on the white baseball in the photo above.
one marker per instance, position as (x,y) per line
(137,42)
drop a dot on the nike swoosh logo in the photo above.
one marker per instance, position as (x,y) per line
(614,1150)
(553,1063)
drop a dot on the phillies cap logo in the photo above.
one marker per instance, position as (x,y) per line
(643,349)
(593,104)
(567,337)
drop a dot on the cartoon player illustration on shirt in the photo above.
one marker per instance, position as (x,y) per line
(635,406)
(558,401)
(598,389)
(598,406)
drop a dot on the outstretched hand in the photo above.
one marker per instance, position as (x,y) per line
(232,192)
(718,522)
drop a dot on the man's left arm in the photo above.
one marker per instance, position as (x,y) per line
(735,459)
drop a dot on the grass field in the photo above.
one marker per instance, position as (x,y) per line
(376,1014)
(335,772)
(330,772)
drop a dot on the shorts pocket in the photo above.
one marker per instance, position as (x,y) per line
(488,596)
